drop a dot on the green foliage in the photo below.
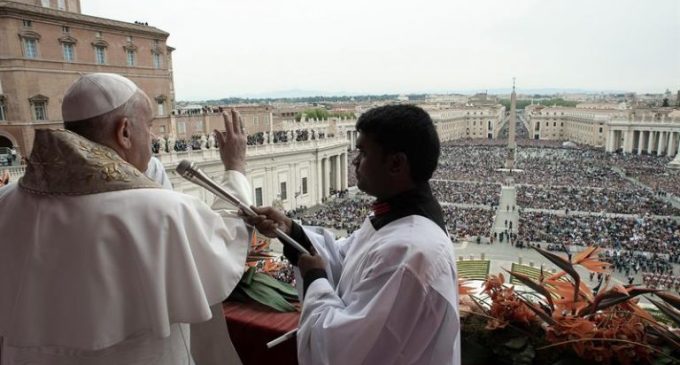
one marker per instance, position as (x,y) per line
(521,104)
(284,289)
(265,290)
(322,114)
(316,113)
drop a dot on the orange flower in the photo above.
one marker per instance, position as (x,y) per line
(588,259)
(464,287)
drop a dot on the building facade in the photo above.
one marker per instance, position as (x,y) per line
(639,131)
(468,122)
(46,45)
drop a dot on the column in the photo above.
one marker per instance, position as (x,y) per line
(610,141)
(662,144)
(319,180)
(640,142)
(627,142)
(345,171)
(269,188)
(338,172)
(294,182)
(650,142)
(326,176)
(671,144)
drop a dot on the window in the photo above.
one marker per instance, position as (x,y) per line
(61,5)
(162,129)
(27,23)
(161,108)
(156,60)
(46,3)
(30,48)
(284,193)
(2,109)
(181,127)
(65,29)
(68,51)
(98,34)
(129,39)
(100,55)
(199,125)
(258,197)
(131,57)
(304,185)
(600,129)
(39,110)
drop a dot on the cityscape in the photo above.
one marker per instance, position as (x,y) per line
(521,169)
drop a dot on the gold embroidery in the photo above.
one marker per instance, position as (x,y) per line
(64,163)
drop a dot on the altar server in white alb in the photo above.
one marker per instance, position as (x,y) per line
(388,294)
(98,263)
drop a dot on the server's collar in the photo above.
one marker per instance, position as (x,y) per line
(418,201)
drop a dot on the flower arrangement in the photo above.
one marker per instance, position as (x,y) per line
(558,319)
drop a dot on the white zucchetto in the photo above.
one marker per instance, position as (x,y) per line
(96,94)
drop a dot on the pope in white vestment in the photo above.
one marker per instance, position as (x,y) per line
(99,264)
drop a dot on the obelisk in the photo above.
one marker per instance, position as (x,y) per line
(512,145)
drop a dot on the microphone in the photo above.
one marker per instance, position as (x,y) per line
(191,172)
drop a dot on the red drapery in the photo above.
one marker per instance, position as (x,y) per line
(252,325)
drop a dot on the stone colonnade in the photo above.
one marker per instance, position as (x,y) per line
(331,174)
(639,141)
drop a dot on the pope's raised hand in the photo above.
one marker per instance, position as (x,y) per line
(232,142)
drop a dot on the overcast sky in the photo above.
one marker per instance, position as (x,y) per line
(251,47)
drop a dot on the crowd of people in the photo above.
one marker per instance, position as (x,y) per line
(633,262)
(298,135)
(634,200)
(341,214)
(347,214)
(662,180)
(624,234)
(467,222)
(538,165)
(466,192)
(656,270)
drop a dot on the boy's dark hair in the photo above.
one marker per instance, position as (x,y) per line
(408,129)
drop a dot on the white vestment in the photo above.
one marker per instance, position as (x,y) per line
(156,172)
(391,297)
(113,277)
